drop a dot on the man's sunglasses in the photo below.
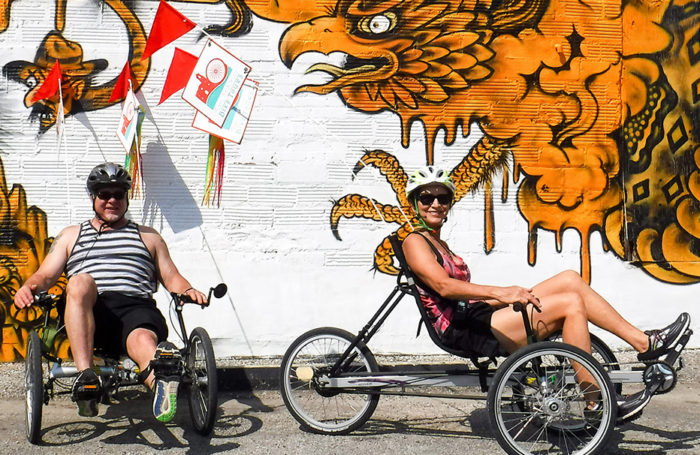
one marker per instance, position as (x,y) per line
(428,199)
(107,195)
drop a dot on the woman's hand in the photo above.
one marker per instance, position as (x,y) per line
(518,294)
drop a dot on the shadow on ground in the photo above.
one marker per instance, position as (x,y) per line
(139,427)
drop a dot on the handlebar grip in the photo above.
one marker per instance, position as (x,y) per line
(43,298)
(184,298)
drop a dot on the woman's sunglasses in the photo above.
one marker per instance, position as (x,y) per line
(107,195)
(428,199)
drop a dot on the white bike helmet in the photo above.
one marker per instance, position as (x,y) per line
(425,176)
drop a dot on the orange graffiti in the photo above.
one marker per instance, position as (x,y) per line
(554,84)
(24,244)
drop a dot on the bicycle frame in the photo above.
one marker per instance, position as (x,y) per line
(386,383)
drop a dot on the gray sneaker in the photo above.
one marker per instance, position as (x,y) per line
(662,341)
(630,407)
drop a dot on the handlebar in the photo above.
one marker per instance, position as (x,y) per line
(218,292)
(45,299)
(519,307)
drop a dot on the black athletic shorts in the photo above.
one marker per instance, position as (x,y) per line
(117,315)
(473,331)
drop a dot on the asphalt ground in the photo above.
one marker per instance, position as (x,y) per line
(256,421)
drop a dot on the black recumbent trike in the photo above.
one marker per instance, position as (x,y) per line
(46,376)
(331,382)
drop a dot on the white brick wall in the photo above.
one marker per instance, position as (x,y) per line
(271,239)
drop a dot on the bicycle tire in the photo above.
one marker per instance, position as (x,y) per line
(34,388)
(318,410)
(535,399)
(202,390)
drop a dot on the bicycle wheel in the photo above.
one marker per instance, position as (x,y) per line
(34,387)
(317,409)
(538,401)
(203,389)
(601,352)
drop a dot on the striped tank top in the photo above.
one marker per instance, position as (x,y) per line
(117,260)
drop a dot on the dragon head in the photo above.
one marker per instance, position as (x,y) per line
(399,53)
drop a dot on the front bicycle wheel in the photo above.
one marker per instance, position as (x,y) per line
(551,398)
(315,407)
(203,389)
(34,387)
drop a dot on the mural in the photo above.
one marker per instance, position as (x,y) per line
(23,245)
(590,107)
(594,101)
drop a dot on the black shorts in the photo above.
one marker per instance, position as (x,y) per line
(473,331)
(117,315)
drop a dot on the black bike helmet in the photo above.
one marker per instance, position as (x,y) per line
(108,174)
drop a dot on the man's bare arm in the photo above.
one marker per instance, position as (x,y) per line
(168,274)
(50,269)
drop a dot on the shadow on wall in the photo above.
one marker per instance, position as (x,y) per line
(165,190)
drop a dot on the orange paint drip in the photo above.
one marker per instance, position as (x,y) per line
(586,257)
(504,188)
(489,222)
(532,245)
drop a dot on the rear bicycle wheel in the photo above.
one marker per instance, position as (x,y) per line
(539,402)
(601,352)
(34,388)
(202,391)
(317,408)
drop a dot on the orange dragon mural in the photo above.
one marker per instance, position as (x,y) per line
(591,107)
(595,102)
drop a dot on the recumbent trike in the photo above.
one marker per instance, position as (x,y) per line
(46,376)
(331,382)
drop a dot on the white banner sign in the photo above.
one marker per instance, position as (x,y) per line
(237,119)
(215,82)
(128,121)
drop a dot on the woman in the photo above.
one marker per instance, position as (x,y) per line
(486,325)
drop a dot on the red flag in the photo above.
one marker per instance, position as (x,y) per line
(179,73)
(168,26)
(50,85)
(121,88)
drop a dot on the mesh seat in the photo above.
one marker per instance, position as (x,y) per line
(409,287)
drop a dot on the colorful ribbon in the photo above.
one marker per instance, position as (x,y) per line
(133,159)
(215,172)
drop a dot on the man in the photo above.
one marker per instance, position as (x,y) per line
(113,266)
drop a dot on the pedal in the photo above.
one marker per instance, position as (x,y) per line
(675,353)
(659,378)
(167,362)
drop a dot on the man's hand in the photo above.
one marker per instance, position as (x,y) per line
(196,296)
(25,296)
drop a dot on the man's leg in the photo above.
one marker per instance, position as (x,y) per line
(141,347)
(81,295)
(164,380)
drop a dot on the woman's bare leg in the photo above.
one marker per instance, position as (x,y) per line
(599,311)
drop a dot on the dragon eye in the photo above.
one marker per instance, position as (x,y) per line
(31,81)
(381,23)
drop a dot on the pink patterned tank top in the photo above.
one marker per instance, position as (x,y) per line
(441,310)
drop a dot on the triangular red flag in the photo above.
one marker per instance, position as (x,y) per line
(121,88)
(50,85)
(179,73)
(168,26)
